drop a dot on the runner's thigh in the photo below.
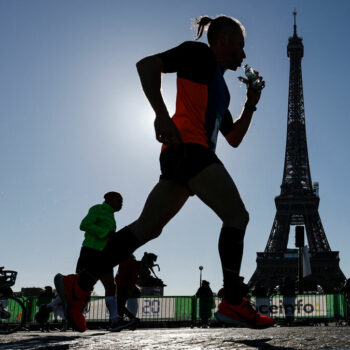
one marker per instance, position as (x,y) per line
(215,187)
(107,280)
(162,204)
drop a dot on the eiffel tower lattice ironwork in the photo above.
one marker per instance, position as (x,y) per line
(298,202)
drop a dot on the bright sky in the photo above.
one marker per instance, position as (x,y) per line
(76,124)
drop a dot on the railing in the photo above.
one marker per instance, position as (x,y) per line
(187,309)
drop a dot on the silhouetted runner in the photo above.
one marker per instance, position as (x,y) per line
(189,165)
(125,280)
(98,224)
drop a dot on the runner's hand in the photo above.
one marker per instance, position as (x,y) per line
(166,131)
(253,95)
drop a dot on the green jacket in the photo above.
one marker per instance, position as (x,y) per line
(97,224)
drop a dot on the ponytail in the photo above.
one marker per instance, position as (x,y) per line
(216,25)
(201,22)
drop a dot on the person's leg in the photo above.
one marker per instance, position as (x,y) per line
(125,310)
(162,204)
(128,313)
(42,316)
(132,305)
(215,187)
(122,297)
(74,297)
(107,279)
(123,293)
(90,262)
(108,282)
(54,303)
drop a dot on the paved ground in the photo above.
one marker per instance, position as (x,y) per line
(277,338)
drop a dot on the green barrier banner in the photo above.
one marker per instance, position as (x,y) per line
(303,306)
(188,308)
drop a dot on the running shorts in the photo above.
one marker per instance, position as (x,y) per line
(93,260)
(180,163)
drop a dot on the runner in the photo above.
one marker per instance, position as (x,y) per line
(98,224)
(189,165)
(125,280)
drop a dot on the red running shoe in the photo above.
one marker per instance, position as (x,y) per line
(74,300)
(243,314)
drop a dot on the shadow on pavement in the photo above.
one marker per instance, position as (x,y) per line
(38,342)
(260,344)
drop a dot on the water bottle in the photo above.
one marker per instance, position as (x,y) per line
(256,82)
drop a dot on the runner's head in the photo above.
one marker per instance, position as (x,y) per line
(114,199)
(225,37)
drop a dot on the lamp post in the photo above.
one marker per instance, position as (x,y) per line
(299,243)
(200,275)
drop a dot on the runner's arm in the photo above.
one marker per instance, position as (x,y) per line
(238,128)
(234,131)
(89,224)
(149,70)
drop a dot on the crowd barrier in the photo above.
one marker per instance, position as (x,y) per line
(186,308)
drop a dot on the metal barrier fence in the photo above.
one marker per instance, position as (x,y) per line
(187,308)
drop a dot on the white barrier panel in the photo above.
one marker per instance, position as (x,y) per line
(299,306)
(152,308)
(156,308)
(97,310)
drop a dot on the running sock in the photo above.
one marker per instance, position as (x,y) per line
(231,252)
(111,304)
(119,247)
(54,303)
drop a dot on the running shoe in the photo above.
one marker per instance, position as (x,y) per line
(121,324)
(115,322)
(74,300)
(243,314)
(42,316)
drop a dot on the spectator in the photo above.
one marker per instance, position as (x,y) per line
(206,303)
(346,291)
(45,297)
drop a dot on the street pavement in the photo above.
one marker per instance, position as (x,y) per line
(276,338)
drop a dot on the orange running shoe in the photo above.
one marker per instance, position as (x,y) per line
(74,300)
(243,314)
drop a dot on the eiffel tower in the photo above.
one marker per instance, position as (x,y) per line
(298,202)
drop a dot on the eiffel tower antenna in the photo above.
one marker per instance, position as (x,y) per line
(298,201)
(295,22)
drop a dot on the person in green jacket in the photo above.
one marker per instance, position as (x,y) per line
(98,224)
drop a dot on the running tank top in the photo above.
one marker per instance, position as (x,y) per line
(202,94)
